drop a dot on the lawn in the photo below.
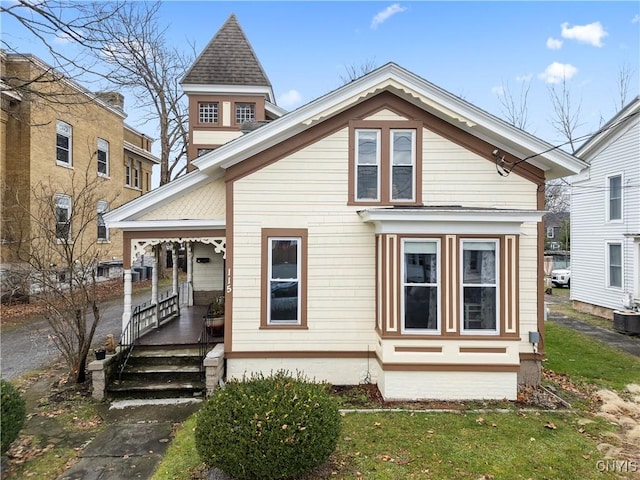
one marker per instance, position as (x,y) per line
(468,444)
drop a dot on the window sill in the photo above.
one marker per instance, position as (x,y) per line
(284,326)
(129,187)
(64,165)
(379,203)
(103,240)
(104,175)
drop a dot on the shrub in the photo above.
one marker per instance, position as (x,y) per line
(14,413)
(268,427)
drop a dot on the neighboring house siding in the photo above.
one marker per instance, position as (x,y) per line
(590,230)
(203,203)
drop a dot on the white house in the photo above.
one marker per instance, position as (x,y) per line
(605,218)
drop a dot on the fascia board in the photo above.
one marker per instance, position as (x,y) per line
(160,225)
(156,197)
(274,109)
(234,89)
(451,215)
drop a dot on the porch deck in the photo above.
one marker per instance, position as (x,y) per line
(184,330)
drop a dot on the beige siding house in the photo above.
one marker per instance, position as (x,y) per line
(388,232)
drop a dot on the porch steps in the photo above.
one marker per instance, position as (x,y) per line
(153,372)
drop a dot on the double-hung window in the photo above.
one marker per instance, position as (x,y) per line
(614,198)
(403,159)
(245,112)
(128,177)
(284,280)
(103,233)
(63,143)
(137,173)
(208,112)
(385,163)
(103,157)
(420,286)
(479,295)
(367,164)
(63,217)
(614,265)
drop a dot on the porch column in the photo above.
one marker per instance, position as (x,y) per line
(189,274)
(154,286)
(126,314)
(174,256)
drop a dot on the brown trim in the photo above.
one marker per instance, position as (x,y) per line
(418,349)
(452,327)
(384,100)
(266,234)
(394,289)
(457,337)
(483,349)
(228,296)
(447,367)
(378,285)
(385,167)
(129,236)
(301,354)
(385,288)
(531,356)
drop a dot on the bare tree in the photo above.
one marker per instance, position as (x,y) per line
(55,241)
(625,77)
(140,60)
(352,72)
(557,196)
(515,109)
(566,113)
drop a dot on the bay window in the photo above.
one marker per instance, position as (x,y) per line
(420,286)
(479,288)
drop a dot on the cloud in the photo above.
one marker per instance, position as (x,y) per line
(290,99)
(385,14)
(592,33)
(554,43)
(557,72)
(524,78)
(499,91)
(636,19)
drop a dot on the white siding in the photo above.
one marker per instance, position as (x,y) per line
(590,231)
(207,276)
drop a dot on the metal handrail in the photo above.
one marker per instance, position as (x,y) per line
(131,334)
(205,344)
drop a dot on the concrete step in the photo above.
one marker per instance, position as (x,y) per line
(147,389)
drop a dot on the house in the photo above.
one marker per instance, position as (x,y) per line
(605,218)
(386,232)
(557,228)
(56,130)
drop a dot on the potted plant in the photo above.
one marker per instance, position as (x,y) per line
(100,353)
(214,319)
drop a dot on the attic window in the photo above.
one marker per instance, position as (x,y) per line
(208,112)
(245,112)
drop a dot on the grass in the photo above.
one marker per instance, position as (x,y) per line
(587,361)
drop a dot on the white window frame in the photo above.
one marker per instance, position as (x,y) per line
(392,164)
(63,201)
(245,112)
(208,112)
(65,130)
(608,265)
(469,331)
(550,232)
(270,279)
(403,284)
(137,174)
(128,172)
(103,146)
(102,208)
(609,198)
(378,165)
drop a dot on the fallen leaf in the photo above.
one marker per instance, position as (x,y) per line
(551,426)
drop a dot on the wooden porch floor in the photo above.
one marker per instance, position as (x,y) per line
(184,330)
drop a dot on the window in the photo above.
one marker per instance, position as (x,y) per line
(202,151)
(103,233)
(385,163)
(614,262)
(127,172)
(63,143)
(137,167)
(63,217)
(245,112)
(614,197)
(284,298)
(402,164)
(367,164)
(479,285)
(549,232)
(420,286)
(103,157)
(208,112)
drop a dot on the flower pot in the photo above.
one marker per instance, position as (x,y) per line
(100,354)
(215,326)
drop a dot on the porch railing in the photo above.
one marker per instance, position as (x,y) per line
(168,307)
(142,321)
(206,343)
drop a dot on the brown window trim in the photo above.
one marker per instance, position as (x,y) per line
(268,233)
(385,128)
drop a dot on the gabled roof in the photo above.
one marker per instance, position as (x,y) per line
(614,128)
(228,59)
(552,161)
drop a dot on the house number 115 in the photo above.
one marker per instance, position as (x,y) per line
(228,287)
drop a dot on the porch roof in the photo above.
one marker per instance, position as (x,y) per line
(173,225)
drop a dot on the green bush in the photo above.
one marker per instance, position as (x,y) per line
(14,413)
(268,427)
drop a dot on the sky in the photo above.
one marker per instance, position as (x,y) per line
(471,49)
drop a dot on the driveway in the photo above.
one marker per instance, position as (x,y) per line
(29,347)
